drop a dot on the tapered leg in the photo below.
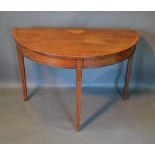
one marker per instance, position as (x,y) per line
(78,93)
(22,75)
(127,78)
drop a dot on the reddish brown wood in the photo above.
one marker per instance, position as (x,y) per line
(97,47)
(128,76)
(22,74)
(78,92)
(77,49)
(47,60)
(107,60)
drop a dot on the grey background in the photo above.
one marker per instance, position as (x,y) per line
(144,62)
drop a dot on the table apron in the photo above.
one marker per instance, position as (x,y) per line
(108,60)
(70,63)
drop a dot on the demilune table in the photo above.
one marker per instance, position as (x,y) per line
(75,49)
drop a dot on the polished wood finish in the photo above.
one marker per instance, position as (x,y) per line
(62,47)
(47,60)
(78,92)
(75,49)
(22,74)
(128,76)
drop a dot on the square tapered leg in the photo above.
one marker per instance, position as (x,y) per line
(22,75)
(78,93)
(128,76)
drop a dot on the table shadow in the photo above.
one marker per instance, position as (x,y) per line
(99,112)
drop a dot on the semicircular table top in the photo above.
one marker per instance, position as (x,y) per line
(76,43)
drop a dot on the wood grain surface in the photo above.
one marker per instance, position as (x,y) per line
(76,43)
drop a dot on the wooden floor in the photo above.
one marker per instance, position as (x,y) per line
(48,116)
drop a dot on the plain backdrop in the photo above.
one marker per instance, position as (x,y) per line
(143,74)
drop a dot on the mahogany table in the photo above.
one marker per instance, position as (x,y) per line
(75,49)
